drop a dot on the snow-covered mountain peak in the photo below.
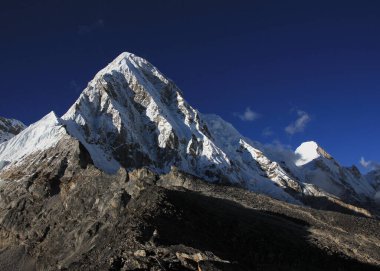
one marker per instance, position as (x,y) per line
(309,151)
(137,117)
(50,118)
(134,69)
(39,136)
(321,169)
(9,128)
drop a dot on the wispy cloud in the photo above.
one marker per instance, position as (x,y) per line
(248,115)
(281,151)
(364,163)
(267,132)
(88,28)
(299,124)
(370,165)
(278,145)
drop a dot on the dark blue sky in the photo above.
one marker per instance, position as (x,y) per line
(316,61)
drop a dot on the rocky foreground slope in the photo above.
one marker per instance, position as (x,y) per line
(133,178)
(69,215)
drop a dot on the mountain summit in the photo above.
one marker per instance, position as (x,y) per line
(131,116)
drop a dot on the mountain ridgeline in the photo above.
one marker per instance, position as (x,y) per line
(131,159)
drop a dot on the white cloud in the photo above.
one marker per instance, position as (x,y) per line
(276,144)
(364,163)
(277,150)
(300,123)
(248,115)
(370,165)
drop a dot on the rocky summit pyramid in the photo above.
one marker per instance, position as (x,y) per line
(130,147)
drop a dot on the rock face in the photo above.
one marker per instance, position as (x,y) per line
(9,128)
(133,178)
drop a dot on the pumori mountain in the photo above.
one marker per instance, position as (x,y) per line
(132,177)
(132,116)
